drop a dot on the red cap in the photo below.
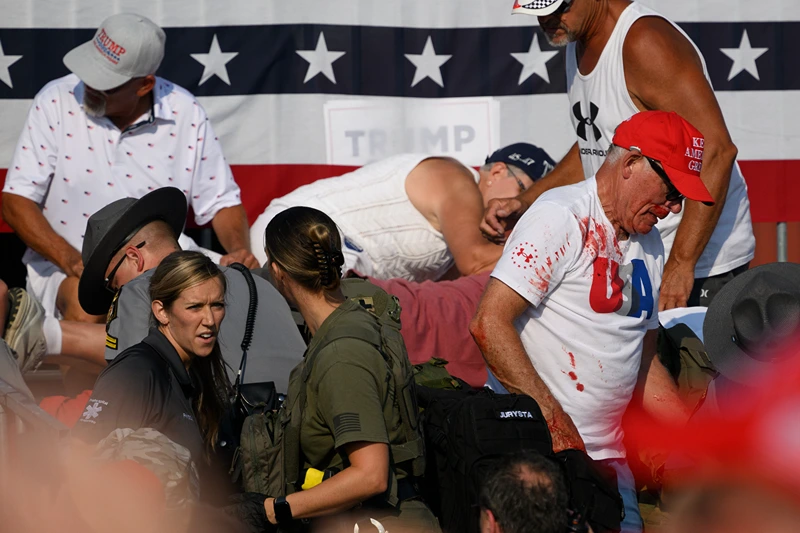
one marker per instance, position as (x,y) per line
(676,144)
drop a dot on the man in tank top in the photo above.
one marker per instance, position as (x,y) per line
(623,58)
(414,216)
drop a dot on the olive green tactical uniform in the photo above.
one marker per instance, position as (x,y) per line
(350,398)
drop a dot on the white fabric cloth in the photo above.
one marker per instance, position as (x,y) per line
(691,316)
(592,299)
(43,281)
(599,103)
(383,234)
(73,164)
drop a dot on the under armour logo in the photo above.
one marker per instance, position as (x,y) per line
(583,122)
(703,293)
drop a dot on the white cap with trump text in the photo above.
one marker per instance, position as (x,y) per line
(125,46)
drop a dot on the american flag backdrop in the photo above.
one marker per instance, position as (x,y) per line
(265,70)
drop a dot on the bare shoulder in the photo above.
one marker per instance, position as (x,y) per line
(438,175)
(653,43)
(437,181)
(660,60)
(441,169)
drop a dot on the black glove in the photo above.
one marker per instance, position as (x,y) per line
(248,508)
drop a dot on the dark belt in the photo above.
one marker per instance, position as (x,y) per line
(407,490)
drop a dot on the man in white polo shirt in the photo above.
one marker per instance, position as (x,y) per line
(570,315)
(111,130)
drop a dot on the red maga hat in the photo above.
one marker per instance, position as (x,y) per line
(676,144)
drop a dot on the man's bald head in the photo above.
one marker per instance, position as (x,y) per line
(159,237)
(525,490)
(145,250)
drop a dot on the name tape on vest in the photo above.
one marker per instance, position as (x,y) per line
(514,414)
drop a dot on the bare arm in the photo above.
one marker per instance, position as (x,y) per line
(26,219)
(494,332)
(655,390)
(502,213)
(367,476)
(663,71)
(444,191)
(230,225)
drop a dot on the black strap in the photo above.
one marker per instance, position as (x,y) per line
(249,325)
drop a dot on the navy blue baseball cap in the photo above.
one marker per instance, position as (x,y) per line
(528,157)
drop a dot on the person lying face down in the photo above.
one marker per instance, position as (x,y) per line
(414,216)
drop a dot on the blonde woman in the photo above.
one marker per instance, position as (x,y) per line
(173,381)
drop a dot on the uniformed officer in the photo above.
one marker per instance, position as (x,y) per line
(351,418)
(174,380)
(124,242)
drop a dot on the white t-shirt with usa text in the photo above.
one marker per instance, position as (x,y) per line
(592,299)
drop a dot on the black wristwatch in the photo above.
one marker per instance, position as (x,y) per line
(283,511)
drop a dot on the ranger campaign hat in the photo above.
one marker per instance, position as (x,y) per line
(673,142)
(755,441)
(538,8)
(112,227)
(125,46)
(750,317)
(528,157)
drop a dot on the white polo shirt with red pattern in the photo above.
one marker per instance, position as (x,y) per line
(73,164)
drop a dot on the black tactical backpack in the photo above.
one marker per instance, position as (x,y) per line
(467,432)
(269,455)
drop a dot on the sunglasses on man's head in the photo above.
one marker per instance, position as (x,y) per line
(109,281)
(673,194)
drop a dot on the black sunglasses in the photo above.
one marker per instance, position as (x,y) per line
(564,7)
(673,194)
(110,279)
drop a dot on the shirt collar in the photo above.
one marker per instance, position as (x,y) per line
(162,108)
(161,344)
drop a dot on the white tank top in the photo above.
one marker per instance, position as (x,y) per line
(599,102)
(384,234)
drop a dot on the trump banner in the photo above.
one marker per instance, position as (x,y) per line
(297,91)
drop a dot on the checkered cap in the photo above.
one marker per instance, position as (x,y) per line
(537,8)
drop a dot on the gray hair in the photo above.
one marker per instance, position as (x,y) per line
(514,168)
(614,154)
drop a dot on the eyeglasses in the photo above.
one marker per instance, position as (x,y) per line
(110,279)
(673,194)
(516,178)
(563,8)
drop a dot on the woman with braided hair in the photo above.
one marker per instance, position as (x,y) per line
(351,418)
